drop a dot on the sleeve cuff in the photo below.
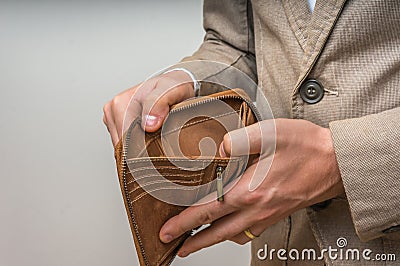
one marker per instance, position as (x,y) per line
(368,154)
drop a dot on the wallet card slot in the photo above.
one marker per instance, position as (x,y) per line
(146,168)
(180,176)
(172,188)
(185,165)
(175,181)
(161,170)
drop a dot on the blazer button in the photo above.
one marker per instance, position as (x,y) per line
(311,91)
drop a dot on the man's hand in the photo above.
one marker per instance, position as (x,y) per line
(150,99)
(304,172)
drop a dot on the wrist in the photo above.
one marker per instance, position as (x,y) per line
(195,83)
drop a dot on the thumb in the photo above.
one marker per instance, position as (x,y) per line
(258,138)
(156,106)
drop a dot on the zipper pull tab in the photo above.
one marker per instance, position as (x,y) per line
(220,185)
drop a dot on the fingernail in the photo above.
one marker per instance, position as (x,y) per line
(166,238)
(222,151)
(150,120)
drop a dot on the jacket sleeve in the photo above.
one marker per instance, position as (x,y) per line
(368,154)
(228,42)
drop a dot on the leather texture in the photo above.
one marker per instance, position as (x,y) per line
(163,172)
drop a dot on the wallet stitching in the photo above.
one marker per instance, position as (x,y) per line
(175,181)
(167,180)
(163,175)
(164,159)
(143,168)
(161,167)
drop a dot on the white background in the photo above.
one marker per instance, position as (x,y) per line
(60,61)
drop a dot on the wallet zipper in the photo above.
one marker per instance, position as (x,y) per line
(124,166)
(135,227)
(220,184)
(212,99)
(219,169)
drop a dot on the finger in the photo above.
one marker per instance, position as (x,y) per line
(193,217)
(256,230)
(125,110)
(170,88)
(253,139)
(221,230)
(240,238)
(114,135)
(156,106)
(105,122)
(132,111)
(205,211)
(109,122)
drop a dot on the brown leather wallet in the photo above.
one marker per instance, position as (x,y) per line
(163,172)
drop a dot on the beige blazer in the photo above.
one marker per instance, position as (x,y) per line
(352,48)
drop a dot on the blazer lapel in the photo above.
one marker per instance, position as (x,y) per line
(298,15)
(323,19)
